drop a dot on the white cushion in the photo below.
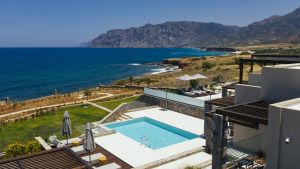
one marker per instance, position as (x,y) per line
(94,158)
(109,166)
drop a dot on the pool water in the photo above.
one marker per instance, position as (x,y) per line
(151,133)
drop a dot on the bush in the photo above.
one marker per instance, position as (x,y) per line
(17,149)
(237,61)
(207,65)
(14,150)
(195,58)
(87,92)
(121,82)
(218,79)
(33,146)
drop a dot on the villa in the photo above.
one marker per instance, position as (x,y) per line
(256,127)
(160,130)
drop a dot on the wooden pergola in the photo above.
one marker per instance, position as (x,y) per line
(222,102)
(250,114)
(266,59)
(55,158)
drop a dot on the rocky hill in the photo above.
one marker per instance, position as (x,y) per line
(276,29)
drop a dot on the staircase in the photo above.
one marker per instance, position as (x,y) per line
(123,117)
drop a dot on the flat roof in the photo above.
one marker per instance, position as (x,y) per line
(275,55)
(54,158)
(289,66)
(248,114)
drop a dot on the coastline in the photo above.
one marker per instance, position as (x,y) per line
(158,68)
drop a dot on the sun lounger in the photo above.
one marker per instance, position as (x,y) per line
(53,139)
(71,140)
(78,150)
(94,158)
(109,166)
(189,94)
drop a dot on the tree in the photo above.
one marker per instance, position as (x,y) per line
(131,80)
(138,82)
(87,92)
(148,81)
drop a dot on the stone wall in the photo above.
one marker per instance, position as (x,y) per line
(183,108)
(111,117)
(208,125)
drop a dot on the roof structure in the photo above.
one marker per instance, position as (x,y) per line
(265,59)
(59,158)
(223,102)
(249,114)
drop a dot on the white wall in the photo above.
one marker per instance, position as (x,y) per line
(246,93)
(283,122)
(280,83)
(249,138)
(174,97)
(254,79)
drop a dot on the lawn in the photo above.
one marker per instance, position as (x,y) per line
(48,124)
(115,103)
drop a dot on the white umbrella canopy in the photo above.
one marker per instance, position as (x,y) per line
(199,76)
(185,78)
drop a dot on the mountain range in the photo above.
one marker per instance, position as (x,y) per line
(275,29)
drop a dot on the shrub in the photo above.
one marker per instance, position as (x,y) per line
(218,79)
(17,149)
(87,92)
(14,150)
(237,60)
(33,146)
(195,58)
(121,82)
(207,65)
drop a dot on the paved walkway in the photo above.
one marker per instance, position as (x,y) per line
(56,105)
(100,107)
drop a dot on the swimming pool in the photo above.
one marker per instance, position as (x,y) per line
(151,133)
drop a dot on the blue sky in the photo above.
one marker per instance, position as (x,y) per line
(46,23)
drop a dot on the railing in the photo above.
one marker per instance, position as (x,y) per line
(176,97)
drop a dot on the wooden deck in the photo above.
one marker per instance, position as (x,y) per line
(110,158)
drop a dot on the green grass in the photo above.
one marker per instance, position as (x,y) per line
(115,103)
(48,124)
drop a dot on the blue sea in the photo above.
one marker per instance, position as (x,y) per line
(27,73)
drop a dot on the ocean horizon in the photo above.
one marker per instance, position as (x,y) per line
(27,73)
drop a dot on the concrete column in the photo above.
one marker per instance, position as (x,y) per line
(241,71)
(219,141)
(207,107)
(224,92)
(208,133)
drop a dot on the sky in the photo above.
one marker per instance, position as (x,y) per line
(68,23)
